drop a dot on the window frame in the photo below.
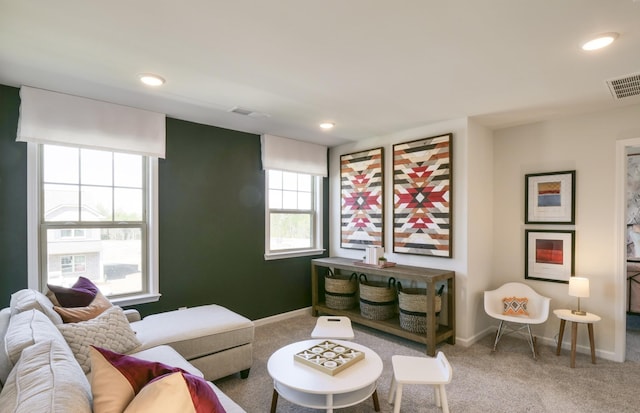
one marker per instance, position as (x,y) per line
(36,252)
(316,222)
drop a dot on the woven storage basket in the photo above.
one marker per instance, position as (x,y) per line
(413,308)
(340,292)
(377,299)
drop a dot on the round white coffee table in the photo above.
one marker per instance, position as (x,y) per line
(305,386)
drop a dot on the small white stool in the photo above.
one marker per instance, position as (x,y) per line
(333,327)
(421,370)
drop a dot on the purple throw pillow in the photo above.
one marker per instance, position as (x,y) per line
(81,294)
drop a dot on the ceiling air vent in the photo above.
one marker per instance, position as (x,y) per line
(248,112)
(624,87)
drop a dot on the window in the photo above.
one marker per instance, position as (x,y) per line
(72,233)
(293,220)
(94,220)
(72,264)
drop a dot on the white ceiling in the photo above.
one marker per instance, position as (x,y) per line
(374,67)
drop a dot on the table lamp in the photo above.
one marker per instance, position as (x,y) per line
(578,287)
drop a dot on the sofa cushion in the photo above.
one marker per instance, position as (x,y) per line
(5,363)
(76,314)
(80,294)
(47,378)
(29,299)
(196,331)
(109,330)
(176,392)
(28,328)
(167,355)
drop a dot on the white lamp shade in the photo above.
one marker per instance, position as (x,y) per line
(579,287)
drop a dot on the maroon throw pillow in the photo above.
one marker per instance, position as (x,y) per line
(81,294)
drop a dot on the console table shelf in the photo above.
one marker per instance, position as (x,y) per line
(435,334)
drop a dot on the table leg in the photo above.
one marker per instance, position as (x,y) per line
(560,334)
(329,403)
(574,338)
(376,403)
(591,342)
(274,401)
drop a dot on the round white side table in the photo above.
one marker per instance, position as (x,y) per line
(588,319)
(306,386)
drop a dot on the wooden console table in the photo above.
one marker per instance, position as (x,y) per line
(436,332)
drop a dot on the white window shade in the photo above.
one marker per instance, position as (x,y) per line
(58,118)
(293,156)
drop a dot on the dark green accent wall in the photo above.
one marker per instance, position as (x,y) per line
(211,217)
(13,198)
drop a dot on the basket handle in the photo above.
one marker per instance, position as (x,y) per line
(330,273)
(353,276)
(399,286)
(361,276)
(392,281)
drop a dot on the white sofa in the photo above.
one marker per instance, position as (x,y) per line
(41,369)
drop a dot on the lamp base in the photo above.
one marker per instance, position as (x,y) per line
(578,312)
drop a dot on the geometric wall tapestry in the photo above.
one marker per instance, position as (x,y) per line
(362,199)
(422,197)
(633,207)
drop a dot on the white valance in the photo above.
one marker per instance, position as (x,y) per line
(58,118)
(293,156)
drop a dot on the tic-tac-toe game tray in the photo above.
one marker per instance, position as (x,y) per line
(329,357)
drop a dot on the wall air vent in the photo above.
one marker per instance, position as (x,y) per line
(248,112)
(625,86)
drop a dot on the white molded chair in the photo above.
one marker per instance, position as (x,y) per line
(435,371)
(337,327)
(537,307)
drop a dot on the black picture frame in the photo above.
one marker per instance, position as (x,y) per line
(549,255)
(550,198)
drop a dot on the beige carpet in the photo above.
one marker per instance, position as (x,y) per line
(506,381)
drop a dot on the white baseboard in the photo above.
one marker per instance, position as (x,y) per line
(282,316)
(549,341)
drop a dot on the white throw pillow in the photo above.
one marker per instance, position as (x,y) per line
(47,378)
(109,330)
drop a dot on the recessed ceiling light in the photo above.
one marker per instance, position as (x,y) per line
(150,79)
(327,125)
(600,41)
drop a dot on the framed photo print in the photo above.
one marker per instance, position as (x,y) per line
(549,255)
(362,199)
(549,198)
(422,176)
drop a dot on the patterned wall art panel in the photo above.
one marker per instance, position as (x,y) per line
(422,197)
(362,199)
(633,207)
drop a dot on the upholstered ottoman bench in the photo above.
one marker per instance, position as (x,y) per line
(217,341)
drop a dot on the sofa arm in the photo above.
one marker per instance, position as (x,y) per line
(132,315)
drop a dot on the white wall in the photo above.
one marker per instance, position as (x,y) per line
(488,215)
(481,179)
(479,231)
(586,143)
